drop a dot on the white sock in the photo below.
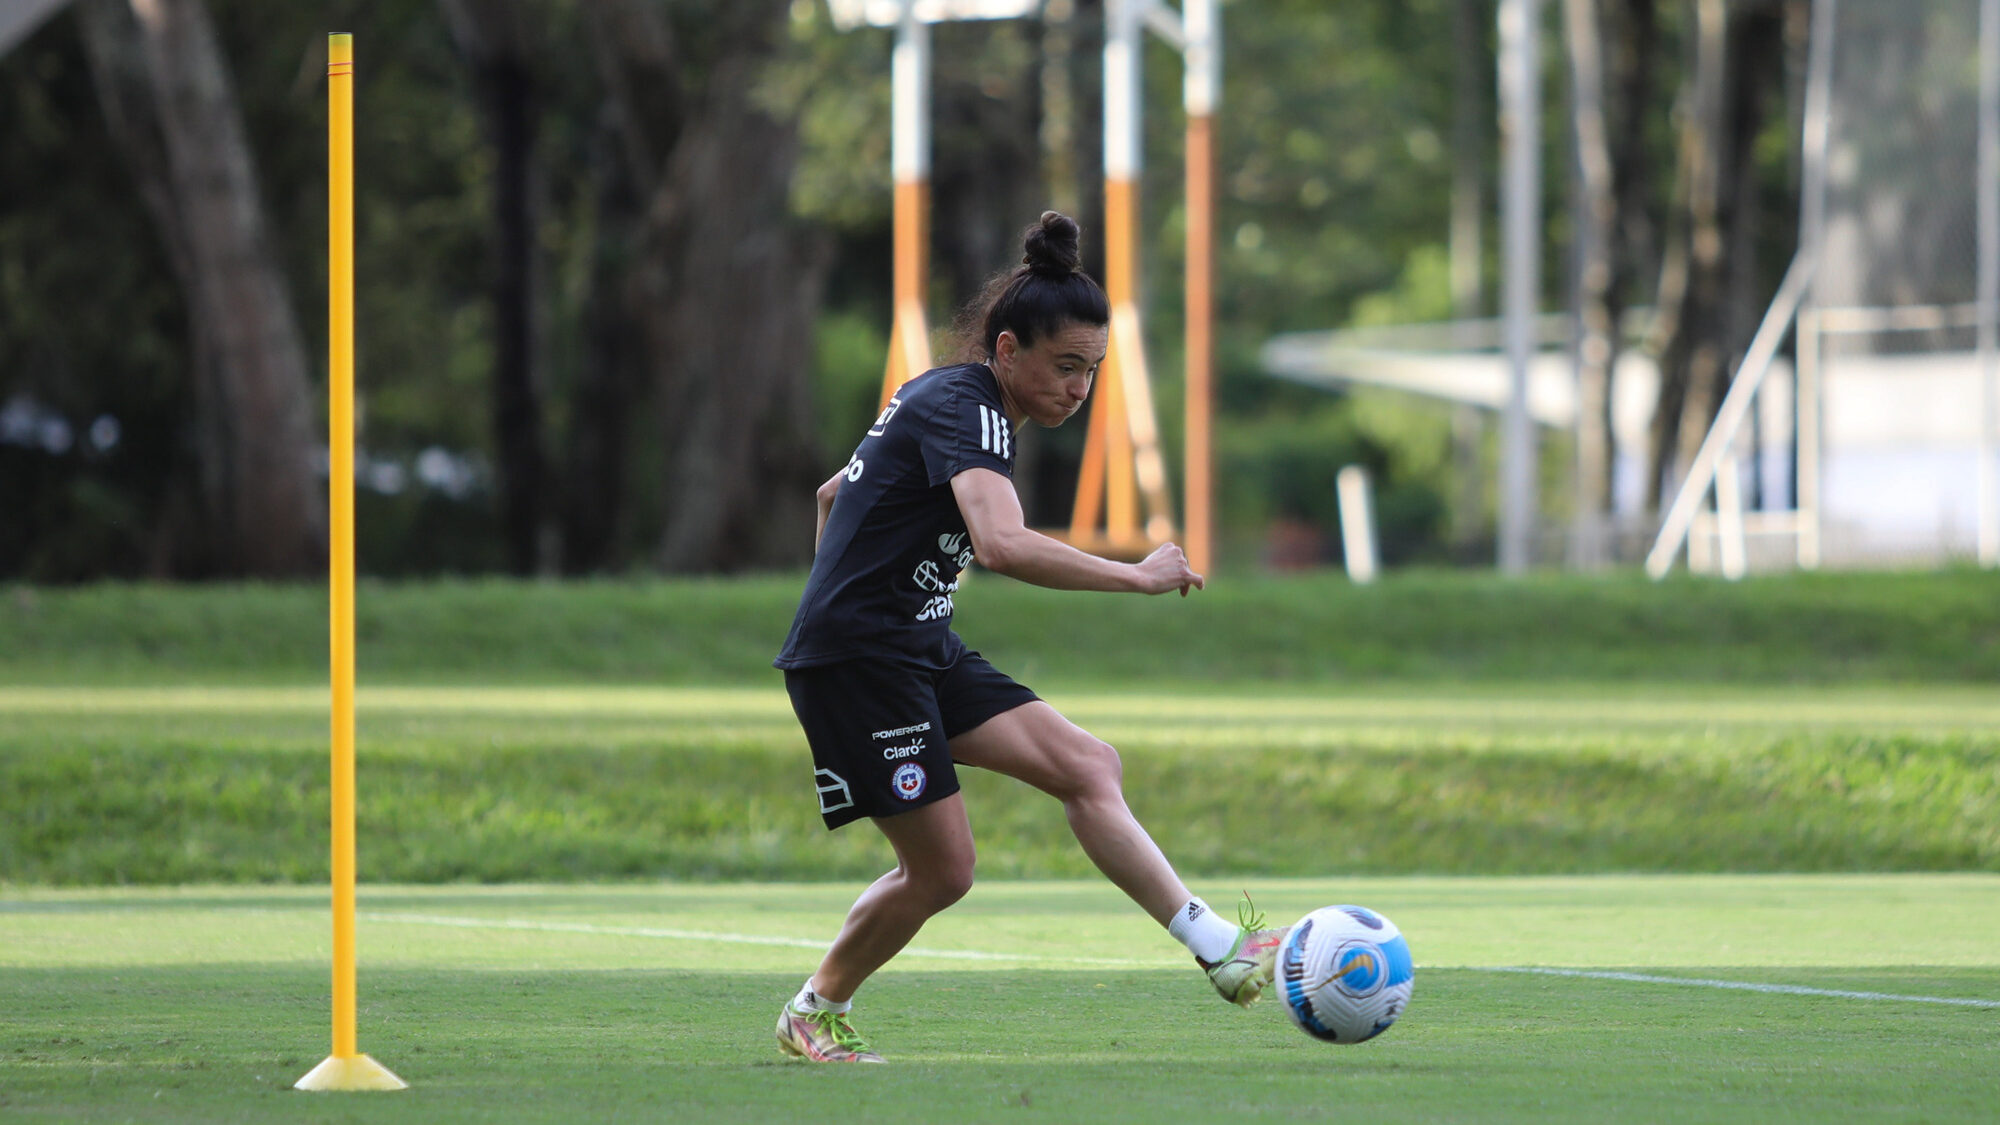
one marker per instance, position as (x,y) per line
(809,1001)
(1203,931)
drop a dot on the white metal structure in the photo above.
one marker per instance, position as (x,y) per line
(1895,296)
(1357,523)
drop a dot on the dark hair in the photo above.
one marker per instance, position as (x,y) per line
(1046,291)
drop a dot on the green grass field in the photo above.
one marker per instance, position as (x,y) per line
(1029,1001)
(1746,837)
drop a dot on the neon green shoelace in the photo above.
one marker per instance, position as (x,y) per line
(1247,915)
(843,1033)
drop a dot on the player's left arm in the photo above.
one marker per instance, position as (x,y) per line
(1003,543)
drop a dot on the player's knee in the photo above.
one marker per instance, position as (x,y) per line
(1100,769)
(1091,769)
(945,879)
(950,883)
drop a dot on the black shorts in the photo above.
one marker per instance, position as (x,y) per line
(879,730)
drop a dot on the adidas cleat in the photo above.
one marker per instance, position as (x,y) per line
(821,1037)
(1241,975)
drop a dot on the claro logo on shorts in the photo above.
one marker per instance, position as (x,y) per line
(885,735)
(907,750)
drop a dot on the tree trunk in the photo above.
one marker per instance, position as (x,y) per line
(637,59)
(1757,36)
(494,37)
(169,101)
(1693,358)
(1709,297)
(1597,312)
(734,346)
(1471,118)
(1632,32)
(721,287)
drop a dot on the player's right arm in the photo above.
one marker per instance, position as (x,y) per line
(1004,543)
(825,497)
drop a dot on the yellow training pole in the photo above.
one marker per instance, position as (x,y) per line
(346,1068)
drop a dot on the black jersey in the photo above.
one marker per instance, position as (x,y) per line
(895,541)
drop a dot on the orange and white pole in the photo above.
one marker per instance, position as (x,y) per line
(1123,438)
(1201,85)
(910,164)
(346,1068)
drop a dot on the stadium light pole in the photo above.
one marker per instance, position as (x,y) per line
(346,1068)
(1989,283)
(1520,140)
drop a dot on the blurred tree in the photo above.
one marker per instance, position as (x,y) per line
(82,479)
(1707,307)
(498,40)
(693,211)
(1611,44)
(720,283)
(171,106)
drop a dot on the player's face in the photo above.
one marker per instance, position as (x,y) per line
(1048,380)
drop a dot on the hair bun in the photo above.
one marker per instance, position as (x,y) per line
(1053,245)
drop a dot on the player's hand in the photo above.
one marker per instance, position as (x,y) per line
(1166,569)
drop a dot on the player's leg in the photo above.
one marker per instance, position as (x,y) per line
(879,754)
(1034,743)
(934,855)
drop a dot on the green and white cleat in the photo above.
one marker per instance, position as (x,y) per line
(821,1037)
(1241,975)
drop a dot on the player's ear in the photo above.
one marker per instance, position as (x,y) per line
(1005,346)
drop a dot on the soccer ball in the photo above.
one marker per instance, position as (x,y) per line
(1345,974)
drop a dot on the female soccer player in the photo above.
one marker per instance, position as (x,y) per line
(890,698)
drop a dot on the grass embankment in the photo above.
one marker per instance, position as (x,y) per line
(113,786)
(1437,723)
(1310,630)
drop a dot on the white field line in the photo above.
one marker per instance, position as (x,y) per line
(1738,985)
(739,939)
(1121,962)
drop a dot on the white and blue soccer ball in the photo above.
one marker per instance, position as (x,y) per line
(1345,974)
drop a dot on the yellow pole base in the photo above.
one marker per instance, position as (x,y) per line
(356,1072)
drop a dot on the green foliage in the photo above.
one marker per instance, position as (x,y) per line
(1422,292)
(1280,469)
(848,353)
(836,86)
